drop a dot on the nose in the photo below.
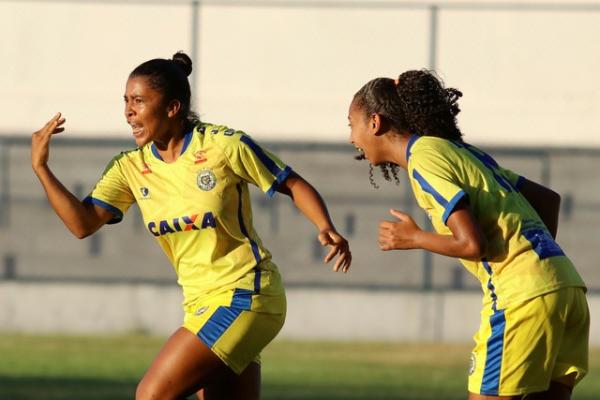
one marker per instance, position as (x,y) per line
(128,110)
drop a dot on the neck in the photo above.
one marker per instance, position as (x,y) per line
(395,148)
(171,145)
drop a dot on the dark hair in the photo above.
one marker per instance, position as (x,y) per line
(418,104)
(169,77)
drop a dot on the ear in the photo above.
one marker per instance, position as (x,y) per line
(375,124)
(173,108)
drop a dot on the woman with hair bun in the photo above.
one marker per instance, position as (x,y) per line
(533,336)
(190,181)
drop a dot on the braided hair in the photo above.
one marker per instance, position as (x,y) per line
(417,103)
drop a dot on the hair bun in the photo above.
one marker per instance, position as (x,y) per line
(183,61)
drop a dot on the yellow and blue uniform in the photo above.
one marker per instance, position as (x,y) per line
(523,263)
(198,209)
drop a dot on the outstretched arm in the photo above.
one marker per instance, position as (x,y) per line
(310,203)
(81,219)
(546,203)
(466,241)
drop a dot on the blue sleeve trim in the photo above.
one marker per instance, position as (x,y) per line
(258,151)
(452,204)
(429,189)
(283,175)
(118,215)
(542,243)
(520,182)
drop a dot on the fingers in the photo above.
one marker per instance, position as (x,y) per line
(53,126)
(343,262)
(339,246)
(398,214)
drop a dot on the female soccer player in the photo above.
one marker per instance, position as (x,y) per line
(190,180)
(533,337)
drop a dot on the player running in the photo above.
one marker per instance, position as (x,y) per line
(533,337)
(190,181)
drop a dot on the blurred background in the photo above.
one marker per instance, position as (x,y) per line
(285,71)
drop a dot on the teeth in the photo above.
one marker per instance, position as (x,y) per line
(136,129)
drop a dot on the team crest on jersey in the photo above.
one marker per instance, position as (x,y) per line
(145,192)
(206,180)
(472,364)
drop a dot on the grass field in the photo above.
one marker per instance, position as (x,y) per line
(108,368)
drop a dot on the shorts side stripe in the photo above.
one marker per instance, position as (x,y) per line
(223,317)
(493,363)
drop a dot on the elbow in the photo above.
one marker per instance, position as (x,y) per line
(474,250)
(81,232)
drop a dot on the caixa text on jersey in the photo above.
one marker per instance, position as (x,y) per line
(182,224)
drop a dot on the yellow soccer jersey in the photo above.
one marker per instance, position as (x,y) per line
(198,208)
(522,259)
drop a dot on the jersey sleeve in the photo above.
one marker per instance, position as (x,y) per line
(436,186)
(515,179)
(112,191)
(256,165)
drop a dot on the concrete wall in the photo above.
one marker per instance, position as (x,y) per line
(324,314)
(287,69)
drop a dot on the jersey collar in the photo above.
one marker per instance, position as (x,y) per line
(186,142)
(411,140)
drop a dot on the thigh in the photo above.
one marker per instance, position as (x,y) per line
(516,348)
(232,330)
(572,359)
(182,367)
(245,386)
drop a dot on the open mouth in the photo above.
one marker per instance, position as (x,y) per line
(136,129)
(360,155)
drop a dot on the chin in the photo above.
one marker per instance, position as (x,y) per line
(140,142)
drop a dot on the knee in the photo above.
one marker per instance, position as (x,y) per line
(148,390)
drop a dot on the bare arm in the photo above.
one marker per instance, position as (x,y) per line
(546,203)
(310,203)
(466,241)
(81,219)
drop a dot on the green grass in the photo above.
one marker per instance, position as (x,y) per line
(61,368)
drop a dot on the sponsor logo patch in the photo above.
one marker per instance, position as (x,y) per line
(200,157)
(146,169)
(145,192)
(201,311)
(472,364)
(187,223)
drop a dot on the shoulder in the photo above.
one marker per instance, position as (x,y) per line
(433,150)
(221,134)
(126,155)
(227,139)
(428,144)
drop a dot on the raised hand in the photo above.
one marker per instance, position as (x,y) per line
(339,246)
(40,141)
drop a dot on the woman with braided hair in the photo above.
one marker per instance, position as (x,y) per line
(190,180)
(533,337)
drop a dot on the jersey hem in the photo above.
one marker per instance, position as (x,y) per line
(118,214)
(516,302)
